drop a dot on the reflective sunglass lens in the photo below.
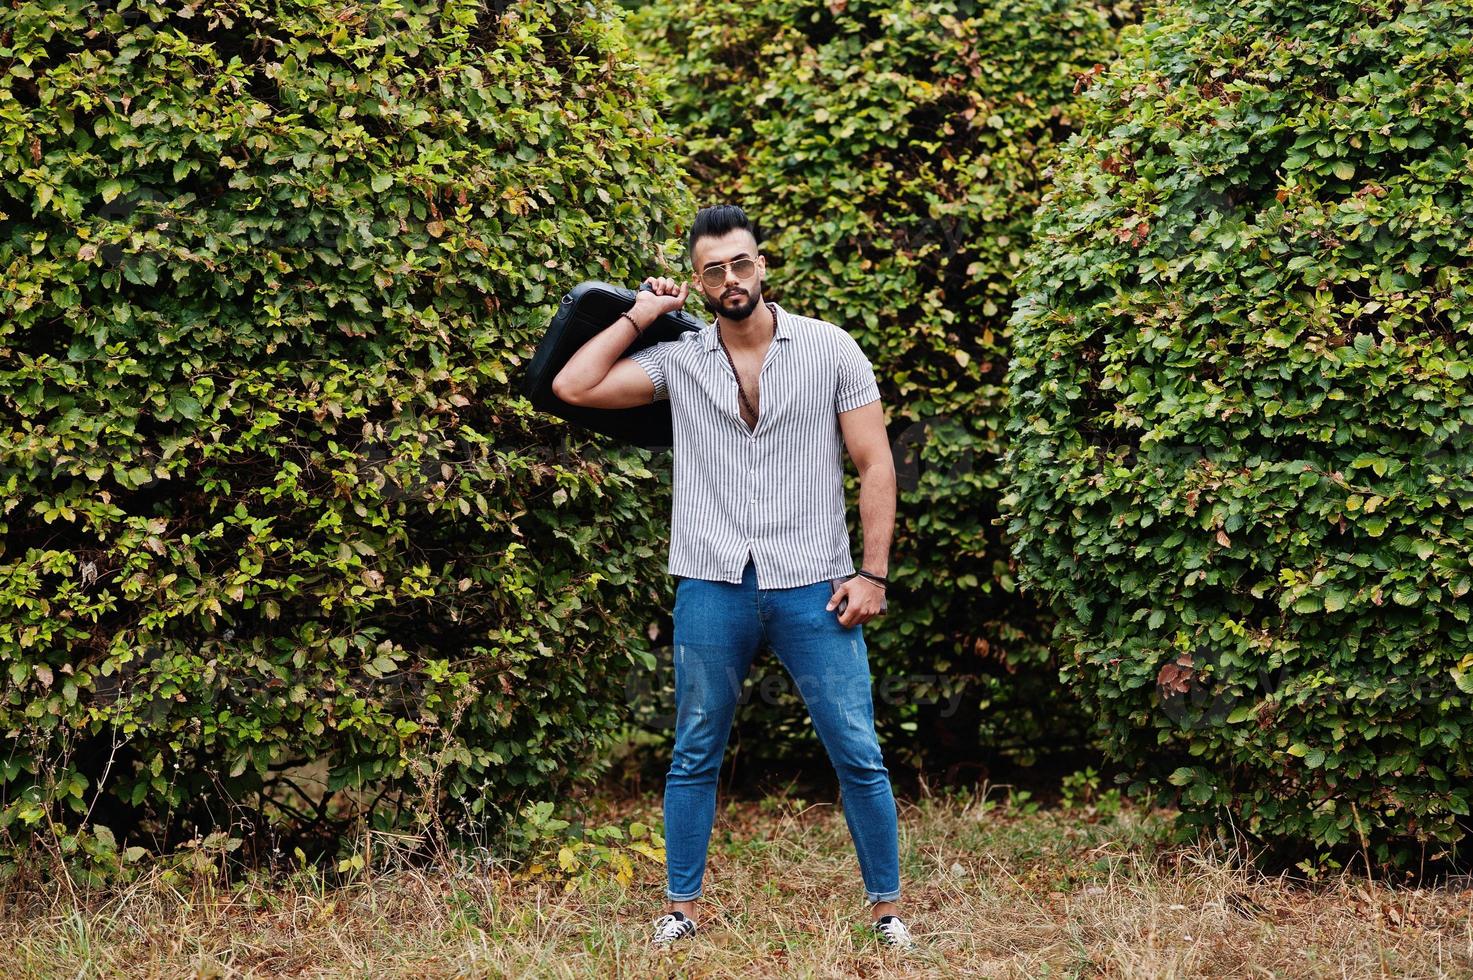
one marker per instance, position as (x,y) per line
(716,275)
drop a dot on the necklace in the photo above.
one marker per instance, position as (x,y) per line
(741,391)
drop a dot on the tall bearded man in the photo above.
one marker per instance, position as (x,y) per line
(762,402)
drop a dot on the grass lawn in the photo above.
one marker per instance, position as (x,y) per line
(992,889)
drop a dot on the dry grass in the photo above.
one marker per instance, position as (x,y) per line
(991,892)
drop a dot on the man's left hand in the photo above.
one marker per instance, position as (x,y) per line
(865,600)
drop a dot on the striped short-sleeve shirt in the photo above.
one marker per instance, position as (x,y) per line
(774,494)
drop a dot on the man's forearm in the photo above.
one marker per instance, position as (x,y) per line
(877,515)
(590,363)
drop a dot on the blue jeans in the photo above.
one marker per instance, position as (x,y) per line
(718,628)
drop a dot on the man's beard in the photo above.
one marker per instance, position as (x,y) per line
(733,312)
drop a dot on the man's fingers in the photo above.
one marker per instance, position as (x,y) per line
(662,286)
(850,615)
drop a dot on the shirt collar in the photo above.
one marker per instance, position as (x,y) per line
(780,332)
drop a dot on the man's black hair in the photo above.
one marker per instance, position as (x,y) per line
(716,221)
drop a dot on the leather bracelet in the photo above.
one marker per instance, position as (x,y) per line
(625,315)
(879,580)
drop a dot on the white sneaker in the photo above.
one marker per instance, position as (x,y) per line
(892,932)
(672,926)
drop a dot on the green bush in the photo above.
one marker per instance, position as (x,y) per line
(270,497)
(891,155)
(1241,460)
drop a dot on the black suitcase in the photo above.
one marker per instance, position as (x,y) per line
(586,310)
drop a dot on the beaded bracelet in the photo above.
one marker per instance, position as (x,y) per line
(637,330)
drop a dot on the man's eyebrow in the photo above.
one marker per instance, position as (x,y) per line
(739,255)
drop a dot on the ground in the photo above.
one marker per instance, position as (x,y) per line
(993,888)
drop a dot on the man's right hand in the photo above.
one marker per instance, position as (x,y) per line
(666,297)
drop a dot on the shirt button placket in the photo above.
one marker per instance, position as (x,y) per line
(752,505)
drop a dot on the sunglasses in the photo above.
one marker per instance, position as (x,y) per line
(713,276)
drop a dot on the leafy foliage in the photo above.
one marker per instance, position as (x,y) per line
(584,855)
(1241,457)
(269,496)
(891,155)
